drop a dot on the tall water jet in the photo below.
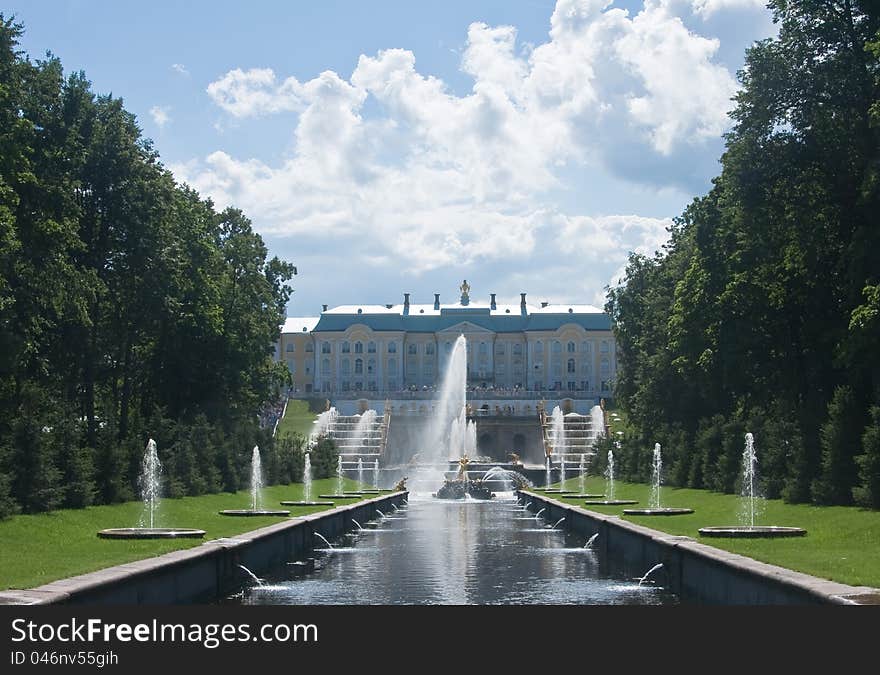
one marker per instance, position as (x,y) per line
(654,508)
(609,475)
(339,474)
(609,487)
(256,492)
(557,429)
(363,429)
(656,477)
(749,508)
(562,473)
(256,479)
(150,483)
(307,478)
(375,474)
(549,474)
(750,465)
(360,473)
(445,438)
(597,423)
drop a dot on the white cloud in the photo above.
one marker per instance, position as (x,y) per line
(160,115)
(436,180)
(707,8)
(254,92)
(179,68)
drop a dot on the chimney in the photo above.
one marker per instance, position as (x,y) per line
(544,304)
(406,304)
(324,308)
(522,303)
(492,302)
(436,301)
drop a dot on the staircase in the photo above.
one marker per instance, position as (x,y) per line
(360,437)
(577,439)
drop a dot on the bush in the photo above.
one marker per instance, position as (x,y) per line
(324,457)
(840,440)
(867,492)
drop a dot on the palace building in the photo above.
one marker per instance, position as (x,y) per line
(381,352)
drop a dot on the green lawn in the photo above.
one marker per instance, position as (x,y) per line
(297,419)
(36,549)
(842,542)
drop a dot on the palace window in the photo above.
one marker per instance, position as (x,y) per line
(371,347)
(587,368)
(325,367)
(372,385)
(392,385)
(539,347)
(413,348)
(346,385)
(570,366)
(345,367)
(392,347)
(571,386)
(310,347)
(517,349)
(604,347)
(557,369)
(448,347)
(358,386)
(429,368)
(570,348)
(483,349)
(325,347)
(585,385)
(358,347)
(291,366)
(605,368)
(586,347)
(557,347)
(392,365)
(346,347)
(290,348)
(499,348)
(358,366)
(429,349)
(371,366)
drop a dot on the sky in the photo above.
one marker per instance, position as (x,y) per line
(386,147)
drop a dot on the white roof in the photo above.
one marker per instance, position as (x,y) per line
(565,309)
(299,324)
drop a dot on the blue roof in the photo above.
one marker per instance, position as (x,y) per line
(514,323)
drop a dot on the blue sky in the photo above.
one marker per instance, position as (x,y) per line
(385,147)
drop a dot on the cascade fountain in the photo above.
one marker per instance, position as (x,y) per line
(654,508)
(307,487)
(256,492)
(609,489)
(557,448)
(582,483)
(150,482)
(750,501)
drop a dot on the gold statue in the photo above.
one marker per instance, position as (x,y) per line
(462,468)
(401,485)
(514,458)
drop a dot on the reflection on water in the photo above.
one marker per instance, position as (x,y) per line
(458,553)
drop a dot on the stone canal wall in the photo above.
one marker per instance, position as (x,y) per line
(207,572)
(697,573)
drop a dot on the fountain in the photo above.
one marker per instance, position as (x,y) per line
(357,523)
(307,487)
(360,472)
(254,577)
(324,539)
(609,491)
(150,482)
(557,523)
(462,486)
(650,572)
(582,483)
(339,494)
(589,544)
(375,474)
(256,493)
(557,447)
(654,508)
(749,495)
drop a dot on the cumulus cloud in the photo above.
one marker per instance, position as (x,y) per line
(160,115)
(254,92)
(433,180)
